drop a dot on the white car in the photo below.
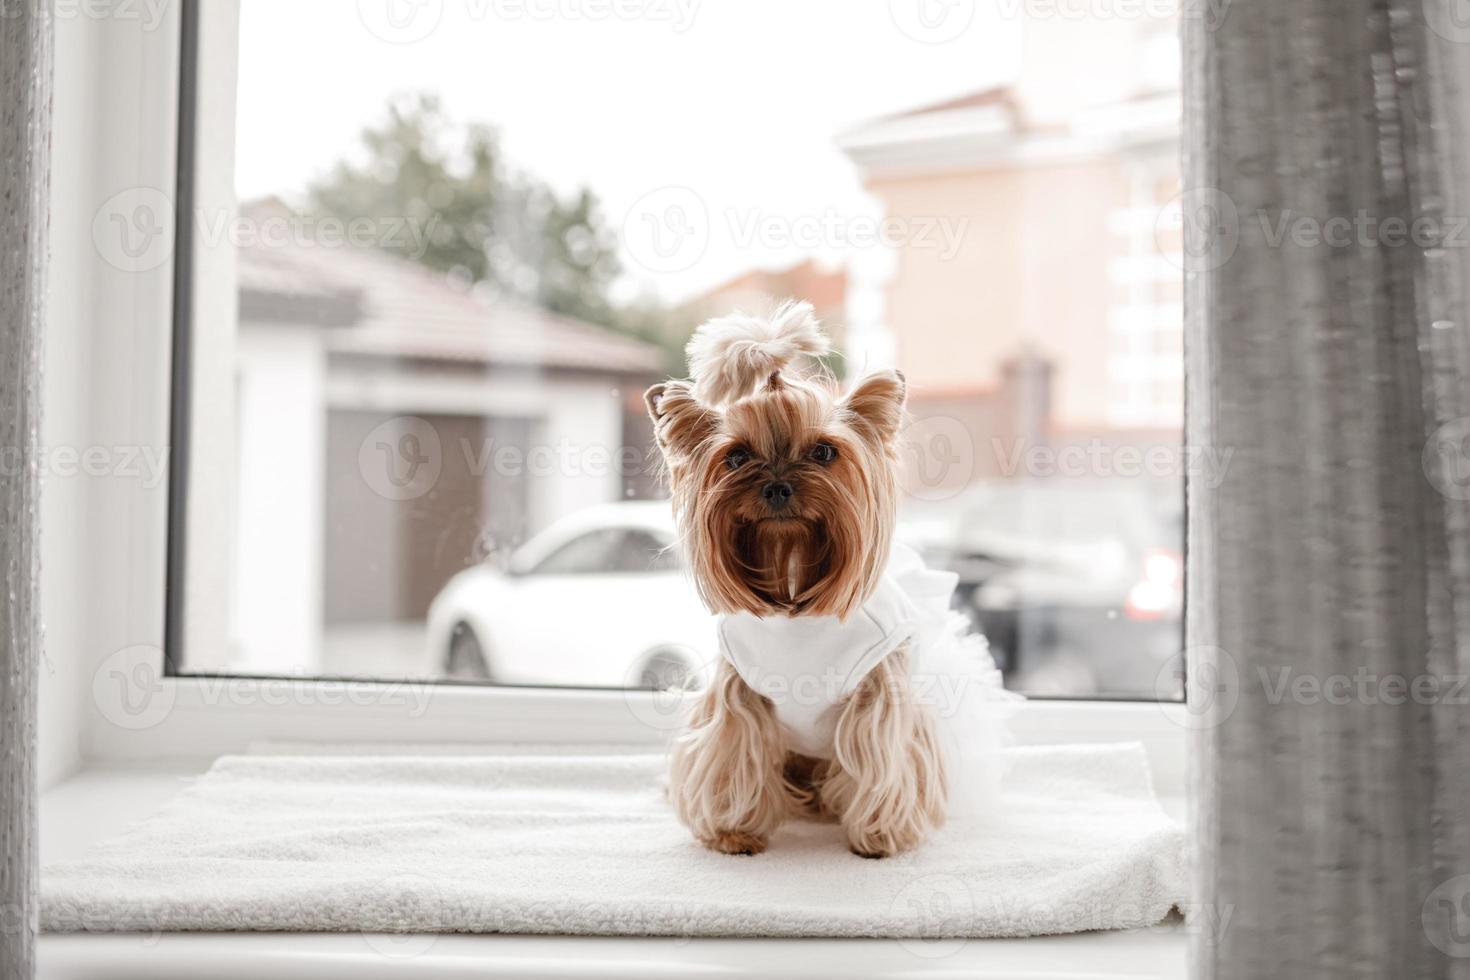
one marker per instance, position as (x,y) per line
(598,599)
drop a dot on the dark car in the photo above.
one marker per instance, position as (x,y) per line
(1078,584)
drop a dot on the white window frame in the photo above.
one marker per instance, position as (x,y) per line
(116,123)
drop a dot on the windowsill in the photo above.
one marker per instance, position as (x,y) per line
(1100,956)
(101,802)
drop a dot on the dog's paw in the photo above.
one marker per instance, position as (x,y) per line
(882,843)
(735,842)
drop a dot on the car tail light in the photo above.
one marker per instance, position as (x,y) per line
(1158,592)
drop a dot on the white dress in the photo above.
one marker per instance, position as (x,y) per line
(807,666)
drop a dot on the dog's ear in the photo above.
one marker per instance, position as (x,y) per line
(652,397)
(876,404)
(680,423)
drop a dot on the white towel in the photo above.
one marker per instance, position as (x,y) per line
(587,845)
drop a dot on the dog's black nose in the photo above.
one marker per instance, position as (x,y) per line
(777,495)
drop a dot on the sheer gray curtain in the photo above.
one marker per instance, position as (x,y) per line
(1329,623)
(25,96)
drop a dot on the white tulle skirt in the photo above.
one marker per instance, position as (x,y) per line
(953,674)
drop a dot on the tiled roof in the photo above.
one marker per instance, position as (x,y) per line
(988,129)
(374,303)
(1003,95)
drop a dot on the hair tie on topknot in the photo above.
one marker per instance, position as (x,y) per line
(732,356)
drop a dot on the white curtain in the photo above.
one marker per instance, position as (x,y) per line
(1330,571)
(25,100)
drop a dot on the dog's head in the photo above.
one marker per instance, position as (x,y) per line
(784,487)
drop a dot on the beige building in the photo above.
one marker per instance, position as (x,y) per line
(1058,316)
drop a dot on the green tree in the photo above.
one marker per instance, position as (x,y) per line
(485,222)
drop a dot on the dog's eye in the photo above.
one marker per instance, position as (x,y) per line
(737,458)
(824,452)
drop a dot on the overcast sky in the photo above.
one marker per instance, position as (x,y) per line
(737,100)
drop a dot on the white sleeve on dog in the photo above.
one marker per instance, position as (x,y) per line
(808,665)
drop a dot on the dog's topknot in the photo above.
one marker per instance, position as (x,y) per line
(732,356)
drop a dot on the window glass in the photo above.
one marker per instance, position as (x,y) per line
(645,552)
(469,235)
(597,551)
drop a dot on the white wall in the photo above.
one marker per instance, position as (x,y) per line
(277,624)
(63,422)
(583,432)
(106,387)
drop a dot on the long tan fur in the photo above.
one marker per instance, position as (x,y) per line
(726,771)
(730,356)
(888,783)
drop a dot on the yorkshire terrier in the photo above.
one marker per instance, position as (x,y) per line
(784,490)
